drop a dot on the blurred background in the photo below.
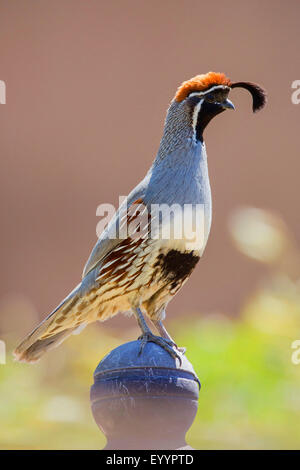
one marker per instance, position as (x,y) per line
(88,85)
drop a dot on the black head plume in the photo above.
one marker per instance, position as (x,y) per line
(259,96)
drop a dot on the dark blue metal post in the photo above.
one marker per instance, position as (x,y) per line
(146,401)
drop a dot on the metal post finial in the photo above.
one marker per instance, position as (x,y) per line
(146,401)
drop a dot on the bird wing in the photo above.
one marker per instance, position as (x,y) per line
(108,240)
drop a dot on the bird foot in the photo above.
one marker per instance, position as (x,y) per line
(166,344)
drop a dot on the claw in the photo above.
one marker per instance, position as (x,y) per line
(166,344)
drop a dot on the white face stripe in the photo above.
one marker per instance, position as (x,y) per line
(195,114)
(198,105)
(202,93)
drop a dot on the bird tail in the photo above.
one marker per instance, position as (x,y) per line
(45,337)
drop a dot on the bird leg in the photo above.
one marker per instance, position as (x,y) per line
(147,336)
(163,332)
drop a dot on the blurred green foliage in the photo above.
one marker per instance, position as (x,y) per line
(250,396)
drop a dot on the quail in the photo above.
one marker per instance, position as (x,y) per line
(140,269)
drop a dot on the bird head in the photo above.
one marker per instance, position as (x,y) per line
(203,97)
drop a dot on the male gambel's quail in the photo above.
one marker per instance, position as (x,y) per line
(138,272)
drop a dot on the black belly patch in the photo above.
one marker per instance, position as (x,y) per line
(176,266)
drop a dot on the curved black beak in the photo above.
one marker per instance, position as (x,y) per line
(227,104)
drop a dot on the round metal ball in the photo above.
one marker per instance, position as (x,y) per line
(144,401)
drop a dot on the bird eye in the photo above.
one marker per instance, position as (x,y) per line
(216,96)
(210,97)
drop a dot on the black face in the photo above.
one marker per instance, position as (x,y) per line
(213,104)
(207,112)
